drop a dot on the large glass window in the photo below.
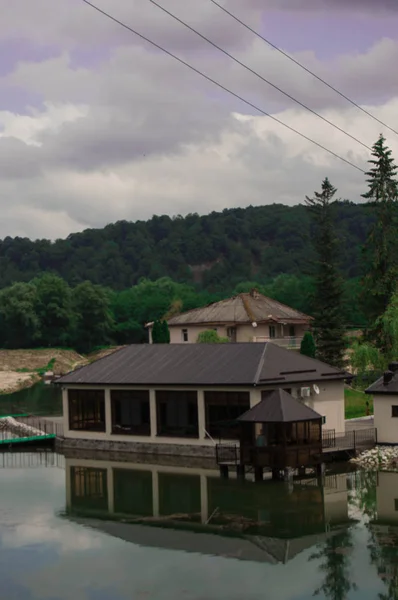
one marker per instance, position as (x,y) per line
(177,413)
(86,410)
(222,409)
(130,412)
(89,488)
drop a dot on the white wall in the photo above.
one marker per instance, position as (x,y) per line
(386,425)
(193,332)
(387,496)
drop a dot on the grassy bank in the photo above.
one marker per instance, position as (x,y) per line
(355,403)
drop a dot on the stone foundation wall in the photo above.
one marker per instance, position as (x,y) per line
(153,453)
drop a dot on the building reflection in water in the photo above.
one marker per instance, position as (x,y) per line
(271,522)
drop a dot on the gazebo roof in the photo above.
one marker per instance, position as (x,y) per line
(279,406)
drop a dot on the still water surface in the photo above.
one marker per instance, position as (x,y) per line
(66,532)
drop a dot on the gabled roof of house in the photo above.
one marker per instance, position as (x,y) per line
(247,364)
(279,406)
(243,308)
(385,386)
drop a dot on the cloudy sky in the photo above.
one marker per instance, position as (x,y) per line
(98,126)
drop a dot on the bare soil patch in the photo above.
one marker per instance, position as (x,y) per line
(31,360)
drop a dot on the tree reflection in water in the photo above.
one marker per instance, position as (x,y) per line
(336,564)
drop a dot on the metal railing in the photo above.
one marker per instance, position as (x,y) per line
(227,454)
(28,427)
(349,440)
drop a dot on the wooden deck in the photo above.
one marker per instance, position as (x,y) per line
(340,444)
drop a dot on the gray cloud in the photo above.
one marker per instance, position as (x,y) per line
(371,6)
(140,134)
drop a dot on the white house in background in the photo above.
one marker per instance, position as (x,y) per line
(176,398)
(385,403)
(249,317)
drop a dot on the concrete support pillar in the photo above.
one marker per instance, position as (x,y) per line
(108,412)
(155,493)
(65,409)
(224,471)
(111,491)
(68,484)
(240,472)
(276,474)
(152,413)
(204,500)
(201,415)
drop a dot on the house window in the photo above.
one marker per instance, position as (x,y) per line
(231,334)
(272,331)
(89,488)
(130,412)
(86,410)
(292,331)
(184,335)
(177,414)
(222,409)
(394,411)
(396,504)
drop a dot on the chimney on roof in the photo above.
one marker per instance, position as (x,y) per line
(388,375)
(254,293)
(393,366)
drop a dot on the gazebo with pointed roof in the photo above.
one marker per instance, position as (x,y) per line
(280,432)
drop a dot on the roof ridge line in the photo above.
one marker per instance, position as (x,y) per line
(260,365)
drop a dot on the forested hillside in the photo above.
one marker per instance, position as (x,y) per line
(216,252)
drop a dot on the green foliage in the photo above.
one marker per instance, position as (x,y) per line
(19,321)
(366,356)
(380,251)
(53,309)
(307,346)
(160,332)
(211,336)
(215,251)
(93,319)
(357,404)
(329,326)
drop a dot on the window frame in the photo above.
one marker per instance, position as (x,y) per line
(394,406)
(217,398)
(130,397)
(184,335)
(179,430)
(80,403)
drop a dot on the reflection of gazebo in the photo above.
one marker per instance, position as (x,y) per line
(280,432)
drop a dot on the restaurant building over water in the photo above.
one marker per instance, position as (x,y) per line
(182,399)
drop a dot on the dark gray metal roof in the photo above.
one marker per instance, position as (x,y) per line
(379,387)
(202,364)
(278,406)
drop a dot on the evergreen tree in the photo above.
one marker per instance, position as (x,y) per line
(308,347)
(165,332)
(380,251)
(328,296)
(157,333)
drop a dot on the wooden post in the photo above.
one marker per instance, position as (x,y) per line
(224,471)
(240,472)
(258,474)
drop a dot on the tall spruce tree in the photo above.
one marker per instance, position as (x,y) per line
(381,247)
(328,297)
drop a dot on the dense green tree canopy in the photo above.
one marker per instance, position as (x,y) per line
(215,251)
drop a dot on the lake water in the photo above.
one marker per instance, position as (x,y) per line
(39,399)
(100,530)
